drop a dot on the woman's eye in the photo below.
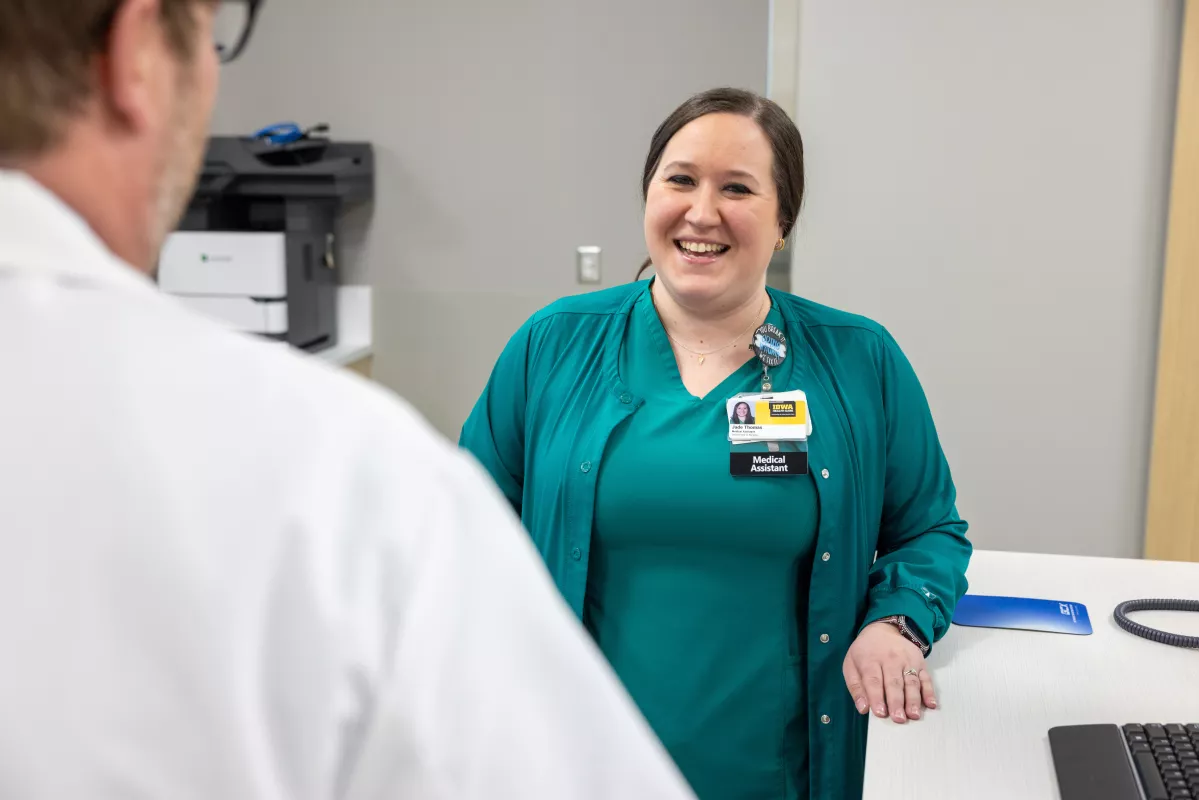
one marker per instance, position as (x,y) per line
(681,180)
(737,188)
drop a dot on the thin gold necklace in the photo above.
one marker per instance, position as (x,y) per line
(740,336)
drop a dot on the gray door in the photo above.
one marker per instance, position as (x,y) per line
(507,135)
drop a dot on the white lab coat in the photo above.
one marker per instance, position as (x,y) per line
(228,572)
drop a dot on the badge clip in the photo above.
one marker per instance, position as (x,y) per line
(770,346)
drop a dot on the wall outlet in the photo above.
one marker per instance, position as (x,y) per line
(588,259)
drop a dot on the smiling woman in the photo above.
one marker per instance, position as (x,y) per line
(741,122)
(746,615)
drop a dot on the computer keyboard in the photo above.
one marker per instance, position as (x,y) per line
(1166,759)
(1153,761)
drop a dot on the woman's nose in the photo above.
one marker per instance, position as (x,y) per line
(703,212)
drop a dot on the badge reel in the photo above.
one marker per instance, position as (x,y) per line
(770,346)
(768,432)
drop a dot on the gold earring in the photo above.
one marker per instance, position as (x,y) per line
(780,244)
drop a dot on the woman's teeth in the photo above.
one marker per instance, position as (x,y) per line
(701,248)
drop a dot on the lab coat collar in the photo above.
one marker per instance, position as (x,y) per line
(40,233)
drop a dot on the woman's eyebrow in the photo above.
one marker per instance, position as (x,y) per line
(732,173)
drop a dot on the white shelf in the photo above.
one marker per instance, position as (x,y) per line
(354,327)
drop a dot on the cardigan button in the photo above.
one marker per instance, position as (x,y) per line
(576,554)
(825,557)
(824,638)
(585,466)
(826,719)
(626,398)
(824,473)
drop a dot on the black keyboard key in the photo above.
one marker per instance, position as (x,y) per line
(1181,794)
(1156,732)
(1132,727)
(1189,762)
(1192,772)
(1193,727)
(1137,737)
(1140,747)
(1151,779)
(1175,785)
(1174,728)
(1173,775)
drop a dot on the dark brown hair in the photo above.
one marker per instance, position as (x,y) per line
(46,48)
(785,143)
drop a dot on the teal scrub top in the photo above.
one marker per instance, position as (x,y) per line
(889,538)
(698,579)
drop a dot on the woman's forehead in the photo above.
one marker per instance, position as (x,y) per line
(721,142)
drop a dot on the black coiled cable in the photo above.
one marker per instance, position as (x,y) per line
(1153,634)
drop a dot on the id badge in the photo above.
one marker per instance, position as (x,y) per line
(768,434)
(769,417)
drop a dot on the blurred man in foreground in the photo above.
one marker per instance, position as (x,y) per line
(226,571)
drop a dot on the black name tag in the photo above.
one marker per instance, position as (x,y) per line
(792,462)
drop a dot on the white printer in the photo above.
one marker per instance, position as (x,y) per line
(257,249)
(240,278)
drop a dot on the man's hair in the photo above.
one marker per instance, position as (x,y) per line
(46,50)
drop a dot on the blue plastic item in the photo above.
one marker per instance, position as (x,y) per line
(281,133)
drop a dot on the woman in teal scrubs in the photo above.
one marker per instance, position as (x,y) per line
(755,620)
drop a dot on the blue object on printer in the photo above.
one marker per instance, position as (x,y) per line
(1022,613)
(282,133)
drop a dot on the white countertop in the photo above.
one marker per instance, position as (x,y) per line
(1000,691)
(355,340)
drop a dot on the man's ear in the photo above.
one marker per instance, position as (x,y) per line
(130,67)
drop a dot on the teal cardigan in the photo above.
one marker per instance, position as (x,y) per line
(890,540)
